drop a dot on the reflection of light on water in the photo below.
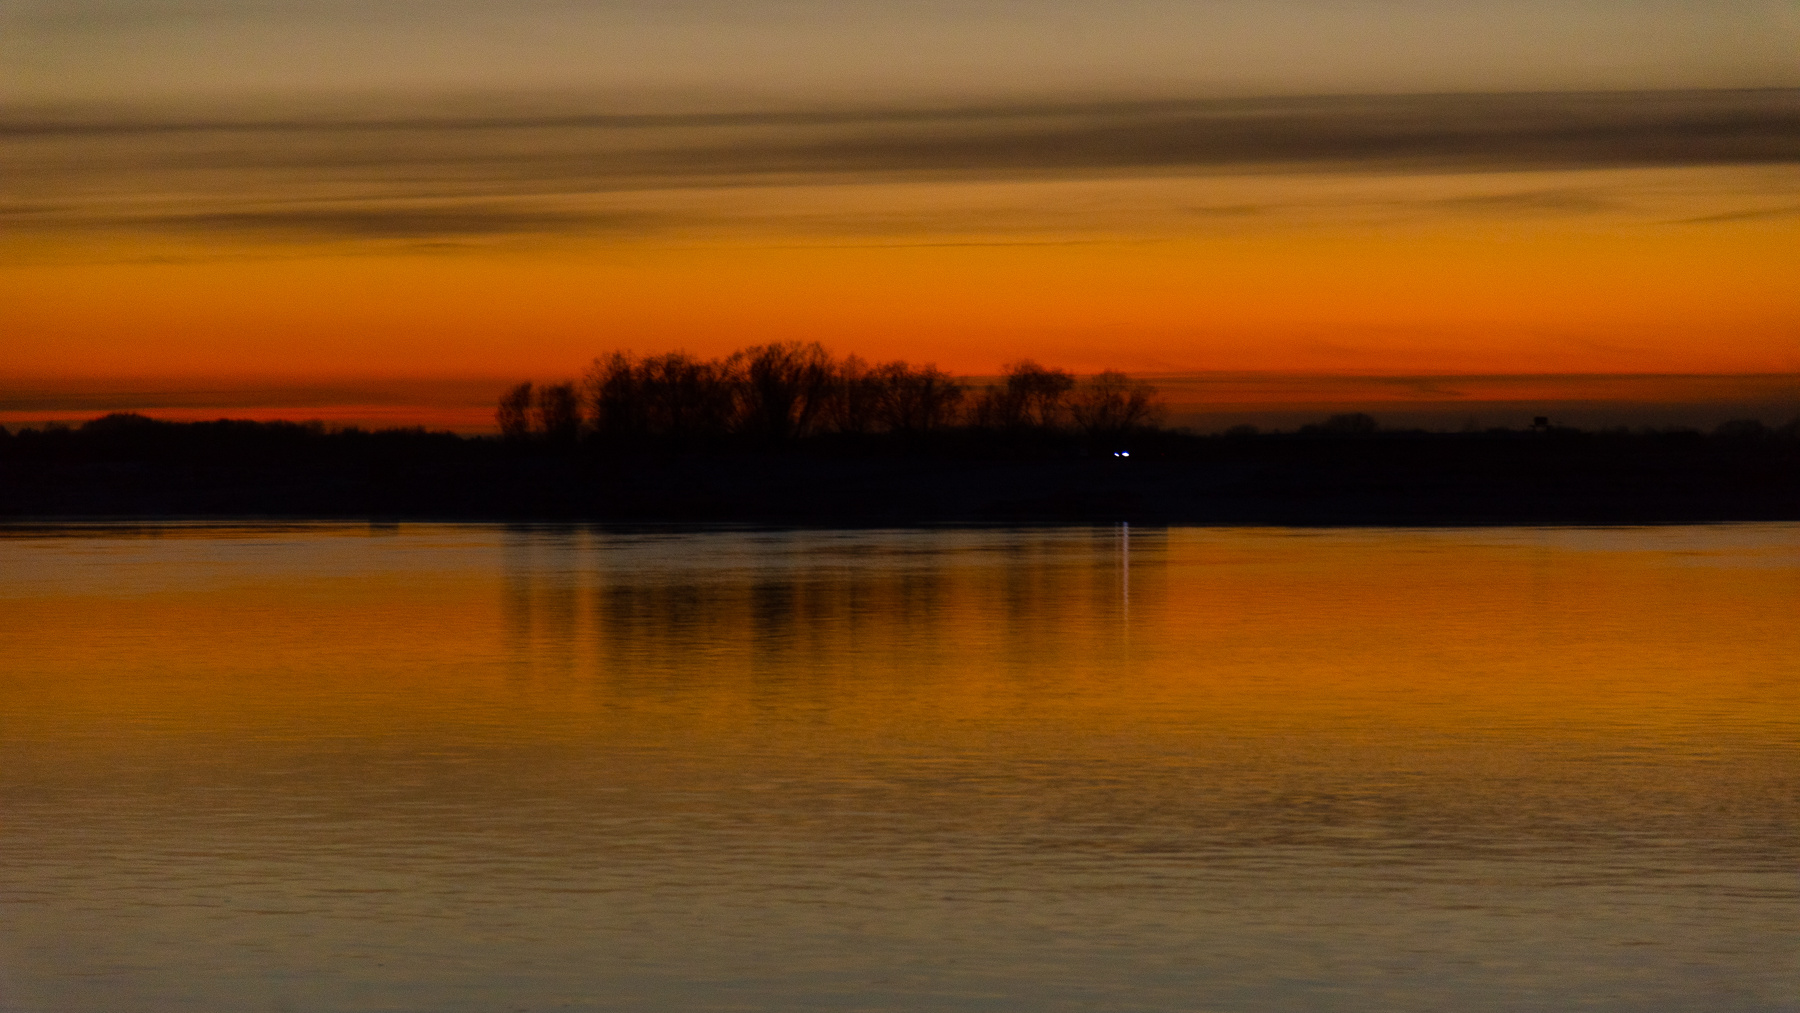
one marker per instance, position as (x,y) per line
(1125,555)
(1420,765)
(1125,561)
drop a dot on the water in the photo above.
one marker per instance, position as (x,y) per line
(445,768)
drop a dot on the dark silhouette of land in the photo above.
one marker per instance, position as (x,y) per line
(788,434)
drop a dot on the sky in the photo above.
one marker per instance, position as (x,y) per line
(378,212)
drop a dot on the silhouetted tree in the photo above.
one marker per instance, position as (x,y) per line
(1110,404)
(617,403)
(782,391)
(559,413)
(912,400)
(673,397)
(514,413)
(1029,395)
(855,394)
(687,398)
(785,386)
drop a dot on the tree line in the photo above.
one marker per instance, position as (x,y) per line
(779,392)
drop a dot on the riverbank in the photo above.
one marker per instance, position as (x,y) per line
(247,469)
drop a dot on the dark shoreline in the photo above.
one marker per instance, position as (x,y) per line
(279,470)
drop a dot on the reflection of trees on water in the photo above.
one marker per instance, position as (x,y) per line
(542,580)
(807,609)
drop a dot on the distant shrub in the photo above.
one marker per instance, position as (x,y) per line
(1349,424)
(1743,429)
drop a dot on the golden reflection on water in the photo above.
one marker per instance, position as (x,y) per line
(442,767)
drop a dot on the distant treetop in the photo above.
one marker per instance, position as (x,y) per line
(778,392)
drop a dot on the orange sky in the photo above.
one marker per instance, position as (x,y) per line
(1555,295)
(169,258)
(1594,292)
(252,195)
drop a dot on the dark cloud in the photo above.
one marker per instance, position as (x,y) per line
(1540,131)
(1527,202)
(1758,214)
(397,223)
(1537,130)
(86,394)
(467,172)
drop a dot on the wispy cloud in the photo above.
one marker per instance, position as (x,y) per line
(393,222)
(1556,201)
(1511,131)
(533,170)
(1755,214)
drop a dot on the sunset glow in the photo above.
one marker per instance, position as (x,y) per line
(929,506)
(1512,210)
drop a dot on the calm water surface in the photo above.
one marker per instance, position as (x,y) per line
(446,768)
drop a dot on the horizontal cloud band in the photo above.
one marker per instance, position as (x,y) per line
(375,175)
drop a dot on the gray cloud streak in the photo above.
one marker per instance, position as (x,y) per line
(462,174)
(1550,130)
(1452,132)
(381,222)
